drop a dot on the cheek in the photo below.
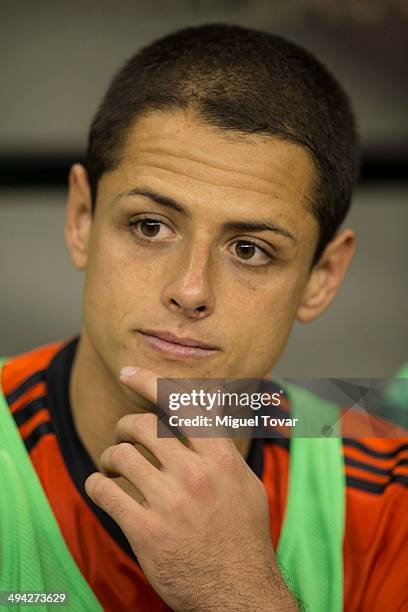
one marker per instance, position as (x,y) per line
(273,297)
(262,318)
(117,284)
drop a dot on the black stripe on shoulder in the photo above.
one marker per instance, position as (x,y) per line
(36,435)
(375,487)
(370,451)
(401,479)
(373,468)
(24,386)
(24,414)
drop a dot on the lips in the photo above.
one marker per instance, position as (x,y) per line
(170,337)
(173,347)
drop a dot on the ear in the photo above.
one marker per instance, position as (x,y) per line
(79,216)
(327,276)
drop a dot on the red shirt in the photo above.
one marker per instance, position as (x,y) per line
(375,550)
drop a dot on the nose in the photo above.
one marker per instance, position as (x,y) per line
(189,290)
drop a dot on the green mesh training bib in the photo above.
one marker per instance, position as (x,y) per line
(33,553)
(310,549)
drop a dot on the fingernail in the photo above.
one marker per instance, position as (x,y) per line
(128,372)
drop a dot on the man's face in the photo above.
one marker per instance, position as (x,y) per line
(202,234)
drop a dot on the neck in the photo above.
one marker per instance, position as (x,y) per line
(98,402)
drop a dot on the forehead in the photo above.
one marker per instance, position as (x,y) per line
(215,171)
(239,159)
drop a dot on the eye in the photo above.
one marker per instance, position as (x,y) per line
(250,252)
(149,228)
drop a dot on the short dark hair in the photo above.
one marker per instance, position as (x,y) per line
(241,80)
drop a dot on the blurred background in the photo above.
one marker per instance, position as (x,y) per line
(56,60)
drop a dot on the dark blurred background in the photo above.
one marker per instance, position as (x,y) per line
(56,60)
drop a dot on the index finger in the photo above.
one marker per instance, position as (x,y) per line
(145,383)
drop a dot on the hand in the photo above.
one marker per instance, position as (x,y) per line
(201,534)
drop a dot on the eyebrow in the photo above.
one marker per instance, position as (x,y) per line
(156,197)
(241,225)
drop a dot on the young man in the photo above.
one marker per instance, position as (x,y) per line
(220,166)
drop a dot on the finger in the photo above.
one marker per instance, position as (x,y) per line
(124,460)
(142,429)
(131,517)
(142,381)
(169,451)
(145,382)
